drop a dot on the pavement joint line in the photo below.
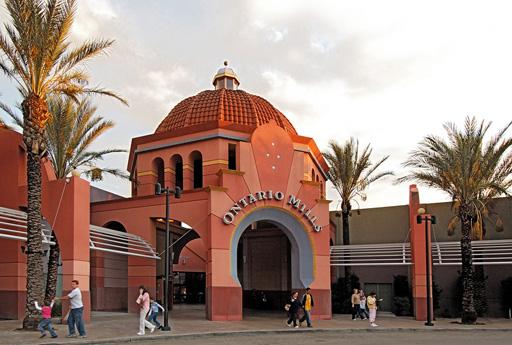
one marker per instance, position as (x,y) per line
(131,339)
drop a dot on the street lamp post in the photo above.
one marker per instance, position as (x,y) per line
(168,265)
(428,246)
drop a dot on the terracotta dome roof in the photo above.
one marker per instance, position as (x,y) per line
(223,106)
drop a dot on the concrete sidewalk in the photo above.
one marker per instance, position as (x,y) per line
(188,321)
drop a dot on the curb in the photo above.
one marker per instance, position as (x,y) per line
(273,331)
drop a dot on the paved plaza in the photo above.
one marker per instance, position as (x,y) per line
(190,327)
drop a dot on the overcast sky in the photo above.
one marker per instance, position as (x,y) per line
(385,72)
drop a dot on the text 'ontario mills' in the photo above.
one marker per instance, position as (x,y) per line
(300,206)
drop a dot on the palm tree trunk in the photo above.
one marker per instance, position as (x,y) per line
(348,271)
(51,278)
(34,242)
(35,115)
(468,305)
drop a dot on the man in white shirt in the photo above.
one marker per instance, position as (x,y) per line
(76,313)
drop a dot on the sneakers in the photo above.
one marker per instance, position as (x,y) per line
(296,326)
(43,335)
(373,324)
(288,324)
(83,336)
(71,335)
(140,333)
(54,336)
(152,330)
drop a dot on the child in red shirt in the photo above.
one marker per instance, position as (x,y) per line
(46,322)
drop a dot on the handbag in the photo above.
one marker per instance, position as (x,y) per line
(287,307)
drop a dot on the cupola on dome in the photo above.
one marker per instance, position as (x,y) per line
(226,105)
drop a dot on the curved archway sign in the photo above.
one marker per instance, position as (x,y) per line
(293,201)
(301,249)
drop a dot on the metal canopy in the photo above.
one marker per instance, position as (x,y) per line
(113,241)
(487,252)
(386,254)
(13,226)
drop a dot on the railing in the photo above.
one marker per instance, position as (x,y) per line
(487,252)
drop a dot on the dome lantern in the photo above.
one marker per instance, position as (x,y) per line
(226,78)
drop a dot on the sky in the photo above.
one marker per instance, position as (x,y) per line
(387,73)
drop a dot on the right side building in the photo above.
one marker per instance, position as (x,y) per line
(382,255)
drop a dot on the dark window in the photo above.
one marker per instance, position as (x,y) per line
(229,84)
(179,174)
(197,165)
(158,165)
(232,156)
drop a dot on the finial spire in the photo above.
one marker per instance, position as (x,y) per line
(226,78)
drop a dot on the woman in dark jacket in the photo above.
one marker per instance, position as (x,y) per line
(294,310)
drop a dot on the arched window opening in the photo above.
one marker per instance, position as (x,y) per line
(197,165)
(312,174)
(158,169)
(232,156)
(177,165)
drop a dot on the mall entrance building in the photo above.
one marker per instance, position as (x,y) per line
(253,212)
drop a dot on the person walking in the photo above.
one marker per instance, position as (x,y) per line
(372,306)
(75,317)
(356,301)
(293,310)
(307,304)
(46,322)
(143,302)
(154,313)
(362,306)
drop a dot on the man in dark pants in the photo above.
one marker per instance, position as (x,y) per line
(307,303)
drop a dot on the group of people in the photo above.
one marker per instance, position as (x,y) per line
(306,303)
(75,316)
(148,309)
(361,303)
(148,313)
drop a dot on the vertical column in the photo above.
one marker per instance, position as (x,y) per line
(223,295)
(72,230)
(13,279)
(418,257)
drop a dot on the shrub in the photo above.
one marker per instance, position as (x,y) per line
(341,303)
(402,300)
(506,290)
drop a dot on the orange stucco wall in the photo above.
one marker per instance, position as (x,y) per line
(65,205)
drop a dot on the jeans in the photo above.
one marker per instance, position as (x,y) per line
(143,322)
(152,318)
(306,317)
(75,317)
(46,324)
(362,313)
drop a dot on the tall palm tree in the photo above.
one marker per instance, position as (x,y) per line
(472,171)
(351,172)
(37,56)
(70,131)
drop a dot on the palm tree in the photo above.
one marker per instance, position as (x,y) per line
(472,172)
(351,172)
(70,131)
(38,57)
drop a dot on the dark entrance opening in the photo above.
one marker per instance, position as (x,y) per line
(264,267)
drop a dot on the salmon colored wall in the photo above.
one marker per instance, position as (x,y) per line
(65,205)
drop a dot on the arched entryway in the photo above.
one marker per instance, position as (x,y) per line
(109,276)
(271,253)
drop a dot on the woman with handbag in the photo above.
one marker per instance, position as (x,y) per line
(293,310)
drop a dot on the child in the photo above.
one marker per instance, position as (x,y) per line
(154,313)
(46,322)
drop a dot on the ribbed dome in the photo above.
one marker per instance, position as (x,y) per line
(223,106)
